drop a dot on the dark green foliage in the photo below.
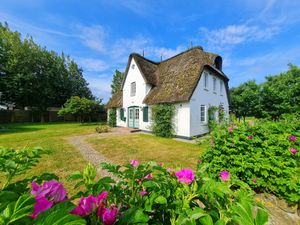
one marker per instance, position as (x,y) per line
(260,155)
(117,82)
(80,107)
(278,95)
(281,94)
(112,117)
(212,122)
(34,76)
(162,117)
(245,100)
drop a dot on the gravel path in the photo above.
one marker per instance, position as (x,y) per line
(90,154)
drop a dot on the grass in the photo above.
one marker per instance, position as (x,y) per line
(143,147)
(62,160)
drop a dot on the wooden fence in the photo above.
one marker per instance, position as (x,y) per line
(24,116)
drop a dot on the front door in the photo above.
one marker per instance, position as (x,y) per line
(134,114)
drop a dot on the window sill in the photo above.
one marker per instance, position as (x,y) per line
(215,92)
(205,89)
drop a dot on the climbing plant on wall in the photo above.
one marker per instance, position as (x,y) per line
(162,119)
(112,117)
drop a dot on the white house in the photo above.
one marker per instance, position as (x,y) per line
(192,80)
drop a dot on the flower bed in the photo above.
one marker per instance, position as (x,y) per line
(143,194)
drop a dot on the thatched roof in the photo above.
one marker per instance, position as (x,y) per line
(175,79)
(116,100)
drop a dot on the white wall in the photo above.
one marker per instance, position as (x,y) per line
(206,96)
(134,75)
(182,119)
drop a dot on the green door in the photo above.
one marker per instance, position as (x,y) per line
(134,114)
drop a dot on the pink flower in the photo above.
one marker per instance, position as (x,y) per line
(250,137)
(108,215)
(89,204)
(41,205)
(254,180)
(46,195)
(169,170)
(224,175)
(230,129)
(142,193)
(50,189)
(293,150)
(251,122)
(134,163)
(185,176)
(292,138)
(198,161)
(148,177)
(160,164)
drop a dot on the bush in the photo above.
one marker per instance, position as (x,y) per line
(112,117)
(103,129)
(162,117)
(261,153)
(141,194)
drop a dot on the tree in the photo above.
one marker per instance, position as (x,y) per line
(80,107)
(33,76)
(281,93)
(117,82)
(245,100)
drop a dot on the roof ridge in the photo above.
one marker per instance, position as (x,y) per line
(149,60)
(181,53)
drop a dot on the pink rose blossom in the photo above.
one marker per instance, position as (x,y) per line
(224,175)
(108,215)
(198,161)
(142,193)
(134,163)
(185,176)
(148,177)
(46,195)
(230,129)
(293,150)
(160,164)
(89,204)
(250,137)
(41,205)
(254,180)
(292,138)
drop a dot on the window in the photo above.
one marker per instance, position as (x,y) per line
(203,113)
(137,114)
(133,89)
(145,114)
(221,87)
(215,83)
(132,66)
(205,80)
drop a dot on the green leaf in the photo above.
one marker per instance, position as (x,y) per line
(261,217)
(161,200)
(59,215)
(206,220)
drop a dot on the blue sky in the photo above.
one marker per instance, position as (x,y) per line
(255,37)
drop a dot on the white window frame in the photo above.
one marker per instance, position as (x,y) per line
(215,84)
(205,80)
(133,88)
(203,116)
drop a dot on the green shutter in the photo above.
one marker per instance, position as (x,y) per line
(122,114)
(145,114)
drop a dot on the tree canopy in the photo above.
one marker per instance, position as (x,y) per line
(279,94)
(34,76)
(117,82)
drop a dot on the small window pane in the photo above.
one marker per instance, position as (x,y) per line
(215,83)
(205,80)
(145,114)
(221,87)
(202,113)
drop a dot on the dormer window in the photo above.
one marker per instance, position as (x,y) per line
(218,63)
(132,89)
(132,66)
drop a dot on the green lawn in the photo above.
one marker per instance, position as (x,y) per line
(63,158)
(144,147)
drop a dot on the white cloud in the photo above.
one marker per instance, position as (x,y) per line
(164,52)
(92,65)
(100,85)
(93,37)
(236,34)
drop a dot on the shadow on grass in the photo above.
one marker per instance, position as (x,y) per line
(17,129)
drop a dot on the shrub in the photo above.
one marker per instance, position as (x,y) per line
(103,129)
(112,117)
(261,153)
(162,117)
(141,194)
